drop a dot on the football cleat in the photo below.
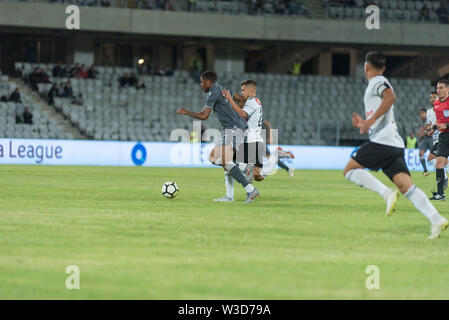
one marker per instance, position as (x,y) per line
(391,200)
(251,196)
(224,199)
(425,174)
(438,197)
(284,154)
(437,228)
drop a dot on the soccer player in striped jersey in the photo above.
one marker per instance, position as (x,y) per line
(385,148)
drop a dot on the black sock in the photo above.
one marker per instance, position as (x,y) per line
(283,165)
(423,163)
(238,176)
(440,181)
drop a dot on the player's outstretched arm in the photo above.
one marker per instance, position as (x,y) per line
(203,115)
(388,99)
(234,105)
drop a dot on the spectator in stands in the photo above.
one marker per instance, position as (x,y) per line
(68,91)
(105,3)
(124,81)
(79,100)
(295,7)
(53,92)
(3,99)
(34,78)
(61,90)
(15,96)
(84,73)
(44,76)
(279,6)
(191,5)
(27,116)
(57,70)
(92,73)
(442,13)
(424,12)
(75,70)
(67,71)
(196,66)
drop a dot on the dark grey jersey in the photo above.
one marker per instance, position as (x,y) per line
(227,116)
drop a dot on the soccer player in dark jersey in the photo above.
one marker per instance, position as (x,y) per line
(441,109)
(233,134)
(425,141)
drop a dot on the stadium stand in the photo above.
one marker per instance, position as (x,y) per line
(391,10)
(44,125)
(306,109)
(244,7)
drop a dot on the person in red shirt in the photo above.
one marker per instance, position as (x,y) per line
(441,108)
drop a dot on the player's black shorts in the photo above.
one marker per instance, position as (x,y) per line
(377,156)
(434,149)
(443,145)
(252,152)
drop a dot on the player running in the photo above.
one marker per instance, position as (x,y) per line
(253,148)
(385,148)
(279,151)
(233,134)
(441,108)
(425,141)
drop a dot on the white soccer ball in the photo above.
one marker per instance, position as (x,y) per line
(170,189)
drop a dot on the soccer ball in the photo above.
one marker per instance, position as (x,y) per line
(170,189)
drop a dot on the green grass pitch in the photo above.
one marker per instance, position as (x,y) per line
(307,238)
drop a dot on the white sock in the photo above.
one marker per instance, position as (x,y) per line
(229,182)
(419,199)
(249,188)
(268,167)
(366,180)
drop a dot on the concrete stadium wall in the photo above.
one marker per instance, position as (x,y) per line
(53,16)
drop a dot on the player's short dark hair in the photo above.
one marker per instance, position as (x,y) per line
(249,82)
(376,59)
(444,81)
(423,110)
(209,75)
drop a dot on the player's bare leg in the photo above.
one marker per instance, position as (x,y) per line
(420,201)
(423,163)
(356,173)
